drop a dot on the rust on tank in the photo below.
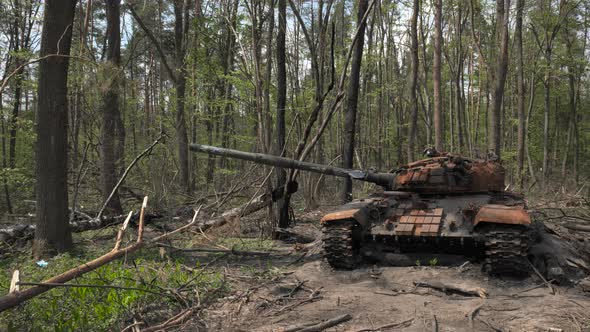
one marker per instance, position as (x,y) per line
(340,215)
(450,173)
(494,213)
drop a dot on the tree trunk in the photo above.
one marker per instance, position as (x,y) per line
(181,37)
(520,92)
(502,16)
(547,103)
(413,80)
(282,204)
(352,100)
(436,70)
(52,232)
(110,109)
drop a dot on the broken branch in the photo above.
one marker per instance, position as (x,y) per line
(320,326)
(476,291)
(121,231)
(13,299)
(257,204)
(405,323)
(55,284)
(211,250)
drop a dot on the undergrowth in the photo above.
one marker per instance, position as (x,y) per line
(101,309)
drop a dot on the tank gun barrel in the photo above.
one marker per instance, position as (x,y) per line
(383,179)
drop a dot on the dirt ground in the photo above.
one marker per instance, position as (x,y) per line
(305,290)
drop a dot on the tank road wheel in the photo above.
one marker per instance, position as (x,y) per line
(341,243)
(506,248)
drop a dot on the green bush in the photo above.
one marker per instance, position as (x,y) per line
(98,309)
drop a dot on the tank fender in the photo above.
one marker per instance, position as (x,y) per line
(502,214)
(361,215)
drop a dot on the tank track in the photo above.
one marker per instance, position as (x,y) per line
(341,250)
(506,249)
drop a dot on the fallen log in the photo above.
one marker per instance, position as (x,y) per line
(26,232)
(214,250)
(13,299)
(475,291)
(319,326)
(576,227)
(255,205)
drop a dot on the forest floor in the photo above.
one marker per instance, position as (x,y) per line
(302,289)
(242,282)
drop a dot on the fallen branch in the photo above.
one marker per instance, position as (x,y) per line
(55,284)
(490,325)
(26,232)
(13,299)
(185,314)
(532,288)
(405,323)
(174,320)
(319,326)
(472,315)
(476,291)
(434,323)
(314,297)
(211,250)
(256,204)
(551,290)
(576,227)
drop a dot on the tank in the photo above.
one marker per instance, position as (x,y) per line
(446,203)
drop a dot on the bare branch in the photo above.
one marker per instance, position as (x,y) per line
(154,41)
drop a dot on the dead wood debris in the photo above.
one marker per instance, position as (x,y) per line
(254,205)
(454,289)
(312,298)
(214,250)
(26,232)
(576,227)
(472,315)
(173,321)
(517,294)
(405,323)
(434,323)
(549,286)
(319,326)
(12,299)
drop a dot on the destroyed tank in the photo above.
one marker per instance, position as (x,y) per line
(445,203)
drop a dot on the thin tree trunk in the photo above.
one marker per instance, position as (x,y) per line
(413,80)
(436,72)
(547,103)
(520,92)
(502,16)
(352,101)
(181,40)
(283,202)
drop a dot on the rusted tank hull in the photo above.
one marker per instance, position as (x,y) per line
(439,216)
(481,225)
